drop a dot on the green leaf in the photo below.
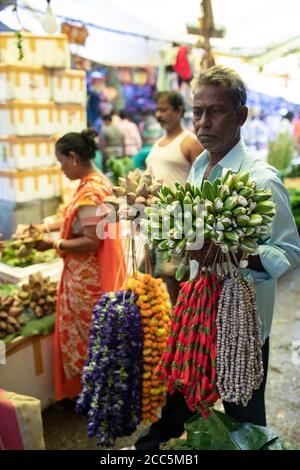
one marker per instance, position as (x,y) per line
(209,434)
(252,437)
(39,326)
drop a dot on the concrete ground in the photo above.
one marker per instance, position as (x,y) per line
(64,429)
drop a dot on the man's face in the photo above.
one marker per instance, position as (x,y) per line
(167,116)
(216,121)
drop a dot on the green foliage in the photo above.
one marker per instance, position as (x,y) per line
(119,167)
(292,171)
(280,151)
(37,326)
(295,204)
(20,44)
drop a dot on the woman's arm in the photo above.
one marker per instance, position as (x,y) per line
(88,242)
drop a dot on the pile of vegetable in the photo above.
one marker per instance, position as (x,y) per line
(9,313)
(155,309)
(232,213)
(35,299)
(136,189)
(39,295)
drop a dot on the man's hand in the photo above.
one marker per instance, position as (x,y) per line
(206,255)
(44,244)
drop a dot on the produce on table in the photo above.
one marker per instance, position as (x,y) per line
(25,242)
(39,295)
(9,257)
(136,189)
(112,376)
(20,250)
(9,313)
(155,309)
(232,212)
(189,362)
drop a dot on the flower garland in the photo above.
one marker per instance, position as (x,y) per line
(189,362)
(111,396)
(154,303)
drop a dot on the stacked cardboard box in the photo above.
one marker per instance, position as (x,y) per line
(40,100)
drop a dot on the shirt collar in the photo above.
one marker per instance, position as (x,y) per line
(233,159)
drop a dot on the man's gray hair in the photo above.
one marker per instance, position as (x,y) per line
(218,75)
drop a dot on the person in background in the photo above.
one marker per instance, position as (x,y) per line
(98,153)
(170,159)
(296,132)
(91,265)
(132,138)
(112,142)
(150,129)
(219,112)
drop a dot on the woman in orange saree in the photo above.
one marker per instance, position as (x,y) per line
(91,265)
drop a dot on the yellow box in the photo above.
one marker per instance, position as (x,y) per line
(69,86)
(25,118)
(39,51)
(22,153)
(19,82)
(27,185)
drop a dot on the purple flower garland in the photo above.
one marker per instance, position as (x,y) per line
(112,376)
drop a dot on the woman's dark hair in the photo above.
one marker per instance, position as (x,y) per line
(82,143)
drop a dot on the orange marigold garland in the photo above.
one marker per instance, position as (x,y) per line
(155,309)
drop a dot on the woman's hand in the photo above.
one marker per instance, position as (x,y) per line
(21,228)
(44,244)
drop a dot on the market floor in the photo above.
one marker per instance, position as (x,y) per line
(64,429)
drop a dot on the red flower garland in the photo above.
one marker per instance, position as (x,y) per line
(189,363)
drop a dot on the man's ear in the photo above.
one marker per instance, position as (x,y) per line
(242,115)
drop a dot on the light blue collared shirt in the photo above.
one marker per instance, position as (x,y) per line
(280,251)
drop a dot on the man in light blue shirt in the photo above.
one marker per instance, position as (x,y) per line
(219,112)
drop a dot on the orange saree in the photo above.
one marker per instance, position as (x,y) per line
(84,278)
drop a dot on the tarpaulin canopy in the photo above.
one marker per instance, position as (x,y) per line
(133,32)
(254,25)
